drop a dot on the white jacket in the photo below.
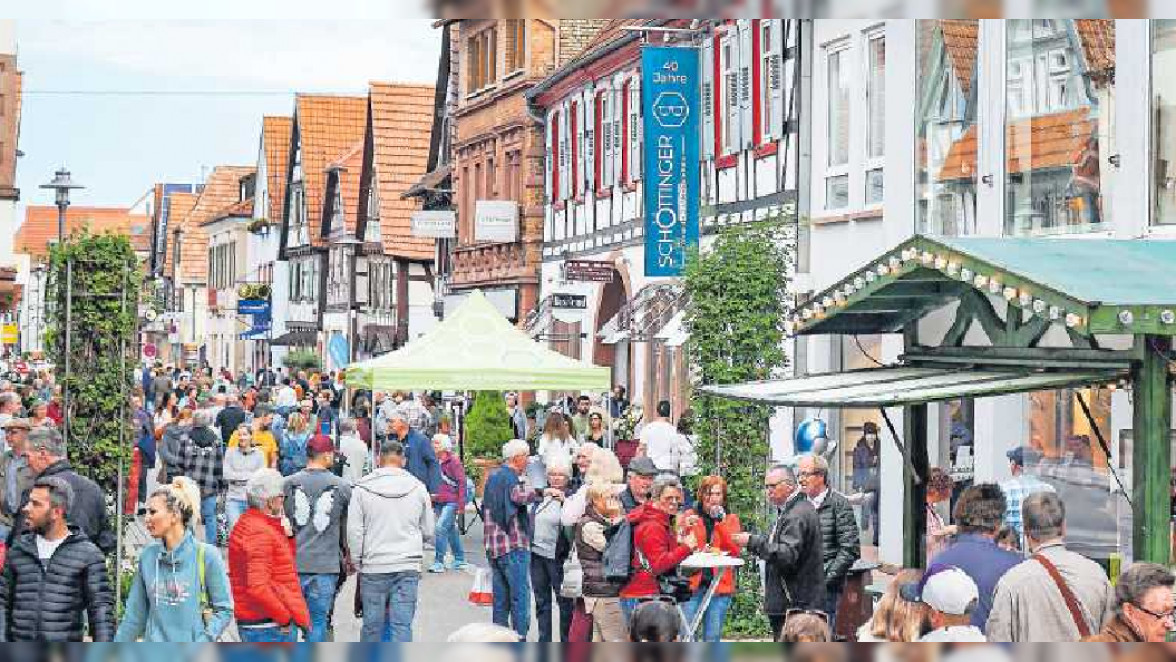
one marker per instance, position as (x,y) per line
(388,520)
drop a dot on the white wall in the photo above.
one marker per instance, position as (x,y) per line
(7,36)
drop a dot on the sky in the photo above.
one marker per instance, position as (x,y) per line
(124,104)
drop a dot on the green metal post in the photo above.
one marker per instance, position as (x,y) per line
(1152,454)
(914,524)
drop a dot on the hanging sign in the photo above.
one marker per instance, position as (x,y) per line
(589,271)
(9,335)
(434,225)
(569,301)
(497,221)
(669,91)
(339,350)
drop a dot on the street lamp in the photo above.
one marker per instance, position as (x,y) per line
(62,184)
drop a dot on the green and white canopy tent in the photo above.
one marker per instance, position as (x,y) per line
(975,315)
(476,349)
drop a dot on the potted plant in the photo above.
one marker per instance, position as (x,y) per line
(487,428)
(624,431)
(258,225)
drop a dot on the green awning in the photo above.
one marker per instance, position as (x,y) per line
(477,349)
(900,386)
(1092,286)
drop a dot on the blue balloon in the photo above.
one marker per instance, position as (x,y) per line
(807,433)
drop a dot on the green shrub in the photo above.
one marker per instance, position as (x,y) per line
(487,427)
(303,359)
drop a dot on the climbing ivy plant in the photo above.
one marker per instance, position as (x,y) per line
(737,302)
(107,282)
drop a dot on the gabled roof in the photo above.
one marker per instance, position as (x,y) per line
(181,206)
(39,229)
(344,174)
(1123,286)
(275,137)
(401,126)
(1059,140)
(221,191)
(241,209)
(327,127)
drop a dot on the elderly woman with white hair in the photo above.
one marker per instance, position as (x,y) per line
(550,549)
(449,499)
(508,537)
(264,577)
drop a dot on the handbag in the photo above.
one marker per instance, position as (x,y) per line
(1067,595)
(670,585)
(573,577)
(206,613)
(582,626)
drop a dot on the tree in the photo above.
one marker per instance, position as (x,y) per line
(102,312)
(737,302)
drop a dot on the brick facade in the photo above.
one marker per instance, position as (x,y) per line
(498,146)
(10,84)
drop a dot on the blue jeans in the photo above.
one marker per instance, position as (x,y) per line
(319,591)
(712,622)
(512,591)
(389,606)
(448,538)
(268,635)
(208,514)
(234,509)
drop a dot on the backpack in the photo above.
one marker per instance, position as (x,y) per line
(293,453)
(618,553)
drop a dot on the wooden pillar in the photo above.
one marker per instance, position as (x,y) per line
(914,525)
(1152,450)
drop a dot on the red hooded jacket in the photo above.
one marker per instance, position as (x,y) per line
(263,574)
(654,537)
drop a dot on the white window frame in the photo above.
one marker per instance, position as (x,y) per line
(869,104)
(844,50)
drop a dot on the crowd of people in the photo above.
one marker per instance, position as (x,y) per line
(262,494)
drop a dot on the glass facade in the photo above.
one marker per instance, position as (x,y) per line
(1164,120)
(1059,97)
(947,133)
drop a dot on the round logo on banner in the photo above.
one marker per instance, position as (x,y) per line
(671,110)
(149,351)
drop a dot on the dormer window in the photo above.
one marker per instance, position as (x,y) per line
(247,187)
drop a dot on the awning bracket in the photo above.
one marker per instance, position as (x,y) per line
(1102,441)
(902,449)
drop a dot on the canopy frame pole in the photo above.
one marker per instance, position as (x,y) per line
(913,473)
(1102,441)
(1152,452)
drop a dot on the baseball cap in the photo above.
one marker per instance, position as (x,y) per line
(643,466)
(320,444)
(945,589)
(1023,455)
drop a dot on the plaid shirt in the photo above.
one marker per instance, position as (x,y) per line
(1016,491)
(417,416)
(499,541)
(205,465)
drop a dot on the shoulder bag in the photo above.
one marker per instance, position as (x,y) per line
(1067,595)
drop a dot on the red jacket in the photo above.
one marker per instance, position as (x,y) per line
(655,537)
(263,574)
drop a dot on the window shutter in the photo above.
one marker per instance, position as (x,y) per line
(635,130)
(617,135)
(708,100)
(607,139)
(550,160)
(579,138)
(746,61)
(589,103)
(775,78)
(564,155)
(732,119)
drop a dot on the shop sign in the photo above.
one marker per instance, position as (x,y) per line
(589,271)
(340,351)
(253,307)
(150,351)
(669,90)
(434,225)
(496,221)
(569,302)
(9,335)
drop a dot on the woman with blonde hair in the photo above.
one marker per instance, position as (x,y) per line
(557,443)
(295,437)
(895,619)
(605,469)
(180,593)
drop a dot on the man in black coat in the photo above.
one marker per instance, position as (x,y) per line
(230,418)
(54,575)
(45,453)
(840,537)
(791,551)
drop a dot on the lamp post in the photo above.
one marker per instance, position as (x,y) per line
(62,185)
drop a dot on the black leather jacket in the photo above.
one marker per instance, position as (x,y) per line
(794,559)
(45,603)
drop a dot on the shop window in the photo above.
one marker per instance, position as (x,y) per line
(1059,93)
(1163,111)
(947,144)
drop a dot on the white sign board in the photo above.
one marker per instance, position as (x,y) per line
(497,221)
(434,224)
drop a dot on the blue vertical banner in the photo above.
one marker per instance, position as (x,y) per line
(669,98)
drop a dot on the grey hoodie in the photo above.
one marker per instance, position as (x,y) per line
(388,520)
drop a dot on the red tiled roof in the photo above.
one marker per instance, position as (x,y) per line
(221,190)
(1098,46)
(1060,140)
(181,206)
(275,136)
(402,122)
(328,126)
(240,209)
(39,229)
(348,169)
(961,40)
